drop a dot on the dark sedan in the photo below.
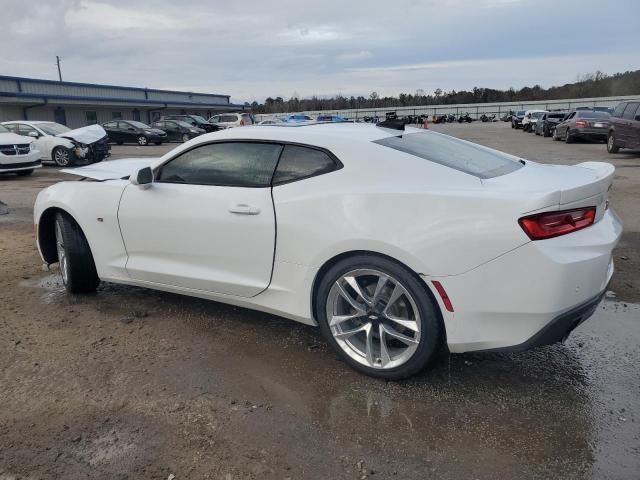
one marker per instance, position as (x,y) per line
(516,119)
(195,121)
(584,124)
(546,124)
(177,130)
(130,131)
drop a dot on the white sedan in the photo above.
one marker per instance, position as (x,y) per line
(395,243)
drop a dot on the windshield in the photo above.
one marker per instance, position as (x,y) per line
(138,124)
(453,153)
(3,130)
(198,119)
(183,124)
(520,113)
(556,115)
(537,114)
(51,128)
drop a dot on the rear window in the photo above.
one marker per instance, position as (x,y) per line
(590,114)
(556,115)
(453,153)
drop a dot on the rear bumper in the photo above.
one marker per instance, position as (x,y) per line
(591,132)
(533,295)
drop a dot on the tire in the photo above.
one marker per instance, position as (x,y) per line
(554,134)
(77,267)
(611,144)
(24,173)
(545,132)
(119,143)
(62,157)
(409,357)
(567,137)
(185,138)
(143,141)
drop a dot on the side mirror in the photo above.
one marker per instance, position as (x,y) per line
(33,134)
(143,178)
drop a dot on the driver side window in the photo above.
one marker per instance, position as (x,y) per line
(233,164)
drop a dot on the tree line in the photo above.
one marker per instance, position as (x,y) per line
(597,84)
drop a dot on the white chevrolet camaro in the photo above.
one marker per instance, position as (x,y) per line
(396,243)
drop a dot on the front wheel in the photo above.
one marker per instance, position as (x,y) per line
(611,144)
(554,134)
(142,140)
(77,268)
(567,137)
(378,316)
(61,156)
(185,138)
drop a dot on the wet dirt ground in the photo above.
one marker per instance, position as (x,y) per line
(131,383)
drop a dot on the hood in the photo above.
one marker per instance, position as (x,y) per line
(85,135)
(113,169)
(12,138)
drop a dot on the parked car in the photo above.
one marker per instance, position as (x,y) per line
(582,124)
(298,117)
(516,118)
(387,239)
(548,121)
(465,118)
(63,146)
(18,154)
(195,121)
(177,130)
(530,119)
(506,117)
(271,121)
(624,127)
(331,118)
(129,131)
(230,120)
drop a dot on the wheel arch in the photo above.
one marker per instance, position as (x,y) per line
(322,271)
(46,236)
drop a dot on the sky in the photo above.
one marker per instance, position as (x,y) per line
(252,49)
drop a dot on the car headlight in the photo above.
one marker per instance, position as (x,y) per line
(149,132)
(32,146)
(194,130)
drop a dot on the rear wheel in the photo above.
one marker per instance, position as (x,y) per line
(77,268)
(24,173)
(554,134)
(185,138)
(377,315)
(568,138)
(611,144)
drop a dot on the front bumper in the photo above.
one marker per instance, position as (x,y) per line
(15,163)
(543,286)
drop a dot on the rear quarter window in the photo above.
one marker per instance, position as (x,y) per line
(453,153)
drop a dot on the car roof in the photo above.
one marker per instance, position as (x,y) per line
(312,133)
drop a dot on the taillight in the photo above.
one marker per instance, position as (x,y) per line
(242,122)
(582,123)
(553,224)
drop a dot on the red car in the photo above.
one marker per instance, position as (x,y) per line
(624,127)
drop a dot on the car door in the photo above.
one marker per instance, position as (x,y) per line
(112,131)
(207,223)
(172,130)
(634,138)
(39,140)
(563,127)
(625,124)
(127,132)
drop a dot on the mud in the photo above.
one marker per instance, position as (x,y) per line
(133,383)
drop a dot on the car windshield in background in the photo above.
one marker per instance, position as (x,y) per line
(591,114)
(454,153)
(537,114)
(138,124)
(556,115)
(53,128)
(3,130)
(520,113)
(183,124)
(198,118)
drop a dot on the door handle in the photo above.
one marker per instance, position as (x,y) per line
(244,209)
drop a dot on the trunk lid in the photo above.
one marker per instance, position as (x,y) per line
(562,186)
(113,169)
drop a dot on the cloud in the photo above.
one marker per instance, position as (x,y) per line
(254,49)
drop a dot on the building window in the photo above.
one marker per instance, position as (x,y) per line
(155,116)
(116,115)
(90,118)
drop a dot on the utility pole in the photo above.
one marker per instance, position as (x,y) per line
(59,71)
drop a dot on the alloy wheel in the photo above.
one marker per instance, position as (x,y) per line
(142,140)
(373,318)
(61,157)
(62,255)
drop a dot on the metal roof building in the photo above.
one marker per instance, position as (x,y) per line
(79,104)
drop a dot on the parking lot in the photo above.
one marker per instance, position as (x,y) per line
(134,383)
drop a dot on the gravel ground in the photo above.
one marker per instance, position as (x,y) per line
(133,383)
